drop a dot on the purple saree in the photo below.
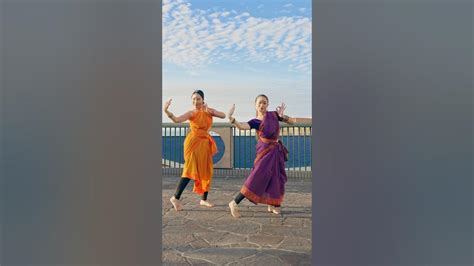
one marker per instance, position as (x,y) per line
(266,182)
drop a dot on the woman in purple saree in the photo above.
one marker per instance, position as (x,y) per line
(266,182)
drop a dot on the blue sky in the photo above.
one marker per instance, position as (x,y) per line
(235,50)
(262,8)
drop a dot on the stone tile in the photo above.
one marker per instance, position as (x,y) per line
(205,214)
(289,257)
(297,211)
(307,223)
(260,219)
(295,259)
(179,220)
(188,228)
(296,244)
(245,245)
(217,239)
(171,257)
(193,261)
(238,228)
(199,243)
(266,240)
(290,221)
(227,219)
(276,230)
(176,240)
(258,260)
(221,256)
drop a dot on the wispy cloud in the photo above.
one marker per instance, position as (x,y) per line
(288,5)
(194,38)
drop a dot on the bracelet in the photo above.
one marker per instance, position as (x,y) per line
(285,118)
(232,120)
(169,115)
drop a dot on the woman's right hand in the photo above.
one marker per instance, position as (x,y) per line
(167,105)
(231,111)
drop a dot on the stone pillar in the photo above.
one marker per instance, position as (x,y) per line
(226,134)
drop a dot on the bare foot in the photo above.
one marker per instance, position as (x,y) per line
(176,203)
(206,203)
(275,210)
(234,209)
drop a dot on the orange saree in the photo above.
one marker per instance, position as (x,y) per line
(199,147)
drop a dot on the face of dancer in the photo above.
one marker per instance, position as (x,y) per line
(261,104)
(198,101)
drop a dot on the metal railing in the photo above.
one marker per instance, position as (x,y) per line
(239,149)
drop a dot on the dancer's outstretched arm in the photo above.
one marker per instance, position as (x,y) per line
(176,119)
(299,120)
(216,113)
(181,118)
(239,125)
(290,120)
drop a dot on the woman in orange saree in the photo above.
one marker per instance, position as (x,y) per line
(199,147)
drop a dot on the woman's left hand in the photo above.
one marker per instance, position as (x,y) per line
(281,109)
(231,111)
(205,107)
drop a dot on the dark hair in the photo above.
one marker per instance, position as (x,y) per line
(262,95)
(200,92)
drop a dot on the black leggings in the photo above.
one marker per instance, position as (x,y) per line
(240,197)
(182,185)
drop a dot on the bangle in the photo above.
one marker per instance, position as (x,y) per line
(232,120)
(285,118)
(169,115)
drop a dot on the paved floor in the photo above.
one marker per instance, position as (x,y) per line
(211,236)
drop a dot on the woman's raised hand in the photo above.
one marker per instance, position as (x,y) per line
(167,105)
(281,109)
(231,111)
(205,107)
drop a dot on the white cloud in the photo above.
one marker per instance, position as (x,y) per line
(288,5)
(194,38)
(243,15)
(302,10)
